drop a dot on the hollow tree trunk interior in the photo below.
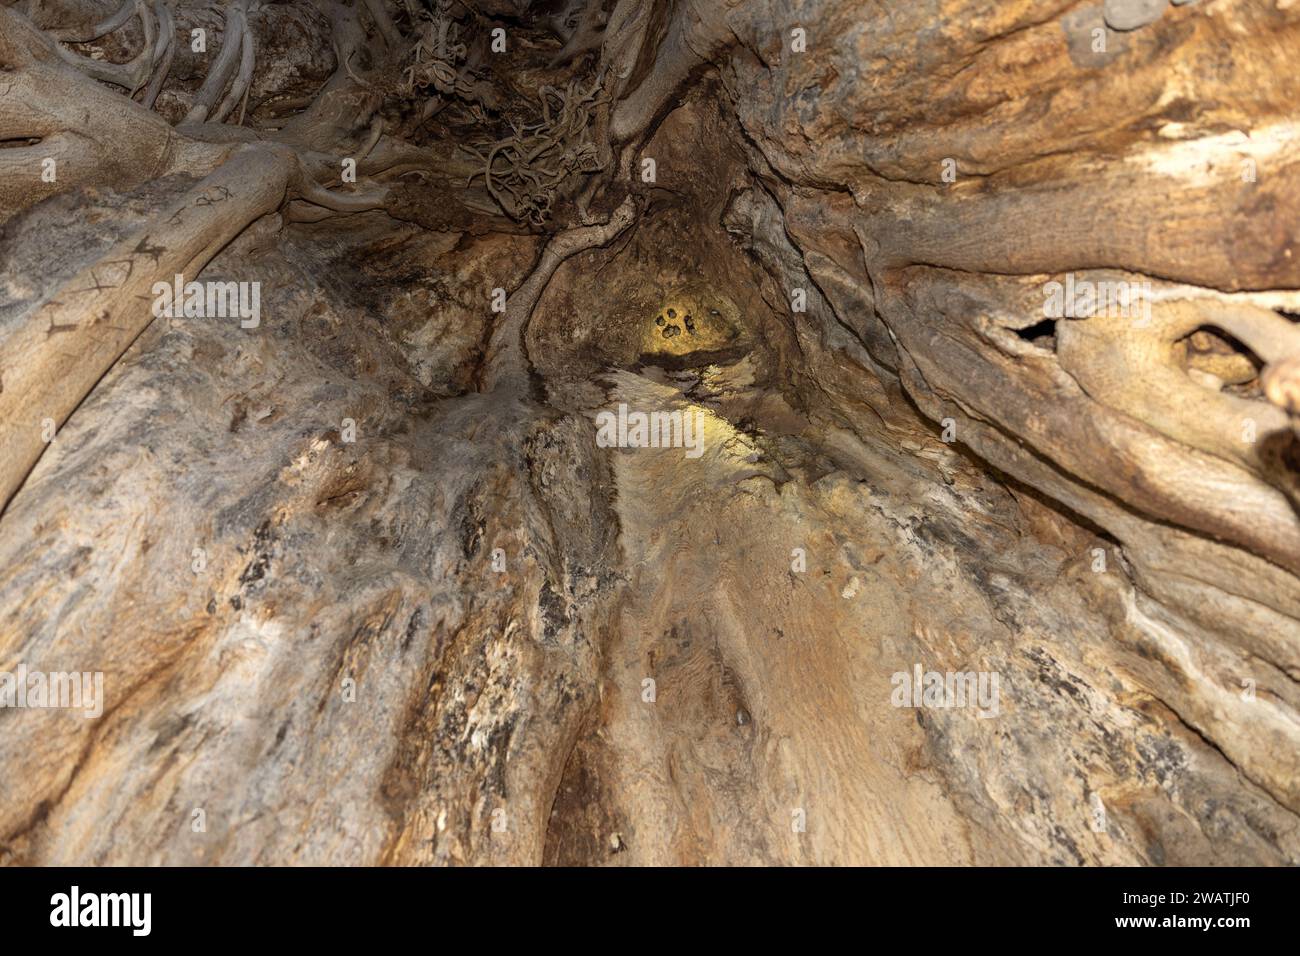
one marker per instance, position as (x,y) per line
(649,432)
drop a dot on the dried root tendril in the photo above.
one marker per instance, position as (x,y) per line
(524,171)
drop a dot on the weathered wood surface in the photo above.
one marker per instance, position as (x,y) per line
(353,606)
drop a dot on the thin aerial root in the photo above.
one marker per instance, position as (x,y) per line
(243,79)
(359,201)
(209,93)
(93,31)
(130,76)
(163,54)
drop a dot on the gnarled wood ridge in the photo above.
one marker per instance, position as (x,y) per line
(328,535)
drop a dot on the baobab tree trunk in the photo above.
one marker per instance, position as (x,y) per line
(651,416)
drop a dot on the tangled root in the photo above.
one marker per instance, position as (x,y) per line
(524,171)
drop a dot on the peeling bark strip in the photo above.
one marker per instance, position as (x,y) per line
(982,545)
